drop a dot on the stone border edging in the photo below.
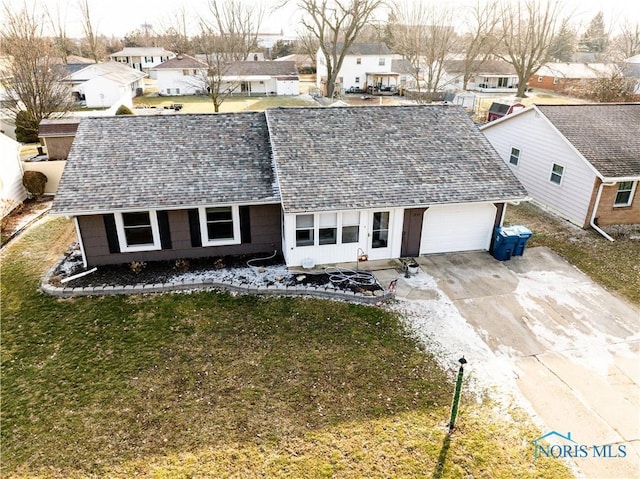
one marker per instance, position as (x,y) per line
(201,285)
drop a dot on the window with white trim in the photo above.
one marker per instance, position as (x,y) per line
(358,61)
(304,230)
(219,225)
(556,174)
(624,196)
(381,61)
(539,79)
(328,228)
(357,79)
(350,227)
(137,231)
(514,157)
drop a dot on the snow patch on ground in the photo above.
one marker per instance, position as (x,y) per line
(440,327)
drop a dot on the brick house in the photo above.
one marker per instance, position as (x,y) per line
(580,161)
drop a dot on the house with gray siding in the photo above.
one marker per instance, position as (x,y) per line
(580,161)
(296,180)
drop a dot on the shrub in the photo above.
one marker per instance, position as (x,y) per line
(182,265)
(137,266)
(124,110)
(26,128)
(34,182)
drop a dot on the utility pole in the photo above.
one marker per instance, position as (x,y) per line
(456,394)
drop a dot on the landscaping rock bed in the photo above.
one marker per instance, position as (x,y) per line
(252,274)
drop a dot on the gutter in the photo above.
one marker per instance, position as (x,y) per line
(595,210)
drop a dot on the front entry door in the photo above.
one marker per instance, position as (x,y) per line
(412,232)
(379,244)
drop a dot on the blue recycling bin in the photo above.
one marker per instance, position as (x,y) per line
(523,236)
(505,241)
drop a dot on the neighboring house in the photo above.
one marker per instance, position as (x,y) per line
(365,65)
(262,78)
(12,191)
(565,77)
(297,180)
(498,110)
(185,75)
(580,161)
(494,76)
(631,69)
(303,62)
(57,136)
(181,75)
(142,58)
(100,85)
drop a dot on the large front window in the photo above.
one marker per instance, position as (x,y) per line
(380,231)
(220,225)
(320,229)
(624,194)
(137,231)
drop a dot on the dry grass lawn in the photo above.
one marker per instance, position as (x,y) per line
(214,385)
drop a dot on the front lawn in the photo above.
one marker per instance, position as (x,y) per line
(214,385)
(203,104)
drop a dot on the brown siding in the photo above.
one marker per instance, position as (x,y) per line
(58,147)
(266,236)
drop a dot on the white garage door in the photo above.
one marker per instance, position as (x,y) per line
(457,228)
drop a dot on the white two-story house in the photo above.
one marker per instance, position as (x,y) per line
(366,67)
(142,58)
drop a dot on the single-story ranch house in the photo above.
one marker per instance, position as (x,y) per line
(580,161)
(321,185)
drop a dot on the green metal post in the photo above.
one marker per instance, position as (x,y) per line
(456,394)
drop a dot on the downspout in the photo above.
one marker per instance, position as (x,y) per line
(84,256)
(592,223)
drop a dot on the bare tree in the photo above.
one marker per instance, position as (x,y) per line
(227,37)
(336,24)
(627,43)
(482,37)
(175,32)
(308,44)
(528,28)
(32,81)
(58,21)
(91,37)
(423,34)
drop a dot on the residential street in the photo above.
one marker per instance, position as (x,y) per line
(546,331)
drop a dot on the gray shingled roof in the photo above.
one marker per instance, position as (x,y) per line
(270,68)
(180,62)
(167,161)
(607,135)
(399,156)
(373,48)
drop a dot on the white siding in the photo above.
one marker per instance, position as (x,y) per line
(288,87)
(102,93)
(169,81)
(10,171)
(451,228)
(341,253)
(540,147)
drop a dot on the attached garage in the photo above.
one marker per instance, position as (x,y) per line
(449,228)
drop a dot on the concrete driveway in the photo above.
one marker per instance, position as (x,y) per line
(571,348)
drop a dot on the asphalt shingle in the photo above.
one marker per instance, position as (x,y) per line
(607,135)
(167,161)
(368,157)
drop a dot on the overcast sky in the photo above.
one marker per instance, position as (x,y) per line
(117,17)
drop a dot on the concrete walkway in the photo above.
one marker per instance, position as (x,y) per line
(572,347)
